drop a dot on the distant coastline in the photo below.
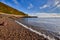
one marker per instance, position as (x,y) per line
(31,17)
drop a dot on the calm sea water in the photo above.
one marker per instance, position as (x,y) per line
(47,26)
(51,24)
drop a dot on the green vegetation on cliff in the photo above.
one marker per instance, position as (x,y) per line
(9,10)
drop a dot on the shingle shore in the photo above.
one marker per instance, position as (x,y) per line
(10,30)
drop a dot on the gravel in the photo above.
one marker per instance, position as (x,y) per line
(10,30)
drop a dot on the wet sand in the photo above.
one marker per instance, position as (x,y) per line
(10,30)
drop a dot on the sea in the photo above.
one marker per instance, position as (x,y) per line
(51,24)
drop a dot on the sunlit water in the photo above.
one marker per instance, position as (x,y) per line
(47,26)
(51,24)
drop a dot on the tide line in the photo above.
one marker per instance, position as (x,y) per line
(49,38)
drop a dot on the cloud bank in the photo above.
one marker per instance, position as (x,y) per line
(46,14)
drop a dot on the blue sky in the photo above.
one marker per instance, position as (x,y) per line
(35,6)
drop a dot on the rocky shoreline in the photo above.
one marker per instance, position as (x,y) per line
(10,30)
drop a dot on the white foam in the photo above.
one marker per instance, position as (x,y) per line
(35,31)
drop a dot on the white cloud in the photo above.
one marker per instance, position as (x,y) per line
(47,14)
(15,1)
(56,2)
(44,6)
(30,6)
(58,5)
